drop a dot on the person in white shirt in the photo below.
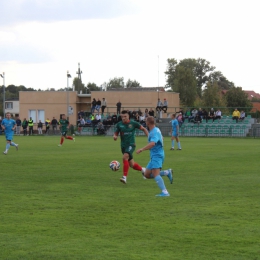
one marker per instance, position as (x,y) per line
(217,115)
(98,117)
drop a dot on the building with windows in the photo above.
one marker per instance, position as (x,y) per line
(12,106)
(41,105)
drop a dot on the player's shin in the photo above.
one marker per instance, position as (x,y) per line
(125,167)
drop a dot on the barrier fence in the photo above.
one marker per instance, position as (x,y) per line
(188,130)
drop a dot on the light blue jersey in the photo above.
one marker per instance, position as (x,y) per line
(155,135)
(156,152)
(9,124)
(175,124)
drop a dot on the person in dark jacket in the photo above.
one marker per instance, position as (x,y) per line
(24,126)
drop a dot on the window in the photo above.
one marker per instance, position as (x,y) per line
(41,115)
(32,114)
(9,105)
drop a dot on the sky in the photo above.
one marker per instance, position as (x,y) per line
(40,40)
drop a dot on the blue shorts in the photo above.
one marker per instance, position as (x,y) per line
(9,136)
(155,163)
(174,134)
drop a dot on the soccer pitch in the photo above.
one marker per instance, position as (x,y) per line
(65,202)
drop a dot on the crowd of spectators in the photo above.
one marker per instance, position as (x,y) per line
(197,116)
(102,124)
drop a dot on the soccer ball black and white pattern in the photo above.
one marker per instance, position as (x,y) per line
(114,165)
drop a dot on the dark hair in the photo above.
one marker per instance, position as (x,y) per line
(124,112)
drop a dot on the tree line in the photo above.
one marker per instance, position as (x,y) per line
(196,80)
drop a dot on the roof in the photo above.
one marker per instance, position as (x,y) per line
(138,89)
(252,94)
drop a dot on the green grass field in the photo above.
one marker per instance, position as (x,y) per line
(65,202)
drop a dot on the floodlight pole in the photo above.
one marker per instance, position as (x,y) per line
(3,76)
(68,76)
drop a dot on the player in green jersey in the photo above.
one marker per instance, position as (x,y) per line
(126,129)
(64,125)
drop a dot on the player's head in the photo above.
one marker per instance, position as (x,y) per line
(150,122)
(125,116)
(8,115)
(63,116)
(173,116)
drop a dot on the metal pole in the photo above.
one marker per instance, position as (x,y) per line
(3,76)
(67,94)
(68,76)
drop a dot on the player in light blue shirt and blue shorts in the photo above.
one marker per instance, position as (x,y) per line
(175,132)
(9,125)
(153,169)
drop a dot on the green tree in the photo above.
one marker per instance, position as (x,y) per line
(212,96)
(185,84)
(92,87)
(236,97)
(223,82)
(200,69)
(116,83)
(171,73)
(132,84)
(79,86)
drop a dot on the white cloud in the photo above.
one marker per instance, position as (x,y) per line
(38,54)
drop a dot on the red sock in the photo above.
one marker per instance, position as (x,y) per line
(61,140)
(69,137)
(126,167)
(137,167)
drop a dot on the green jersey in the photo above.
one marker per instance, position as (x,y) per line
(64,125)
(127,132)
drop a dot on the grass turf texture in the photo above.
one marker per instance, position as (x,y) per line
(65,202)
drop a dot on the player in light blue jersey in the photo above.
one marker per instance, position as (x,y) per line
(175,132)
(9,125)
(155,145)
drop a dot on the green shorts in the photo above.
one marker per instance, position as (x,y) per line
(64,133)
(129,149)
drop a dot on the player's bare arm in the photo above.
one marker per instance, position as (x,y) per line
(147,147)
(115,136)
(144,130)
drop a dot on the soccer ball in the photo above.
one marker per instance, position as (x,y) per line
(114,165)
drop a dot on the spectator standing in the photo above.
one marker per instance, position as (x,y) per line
(236,115)
(93,105)
(47,124)
(54,124)
(40,127)
(118,107)
(98,105)
(165,105)
(24,126)
(103,105)
(30,124)
(18,125)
